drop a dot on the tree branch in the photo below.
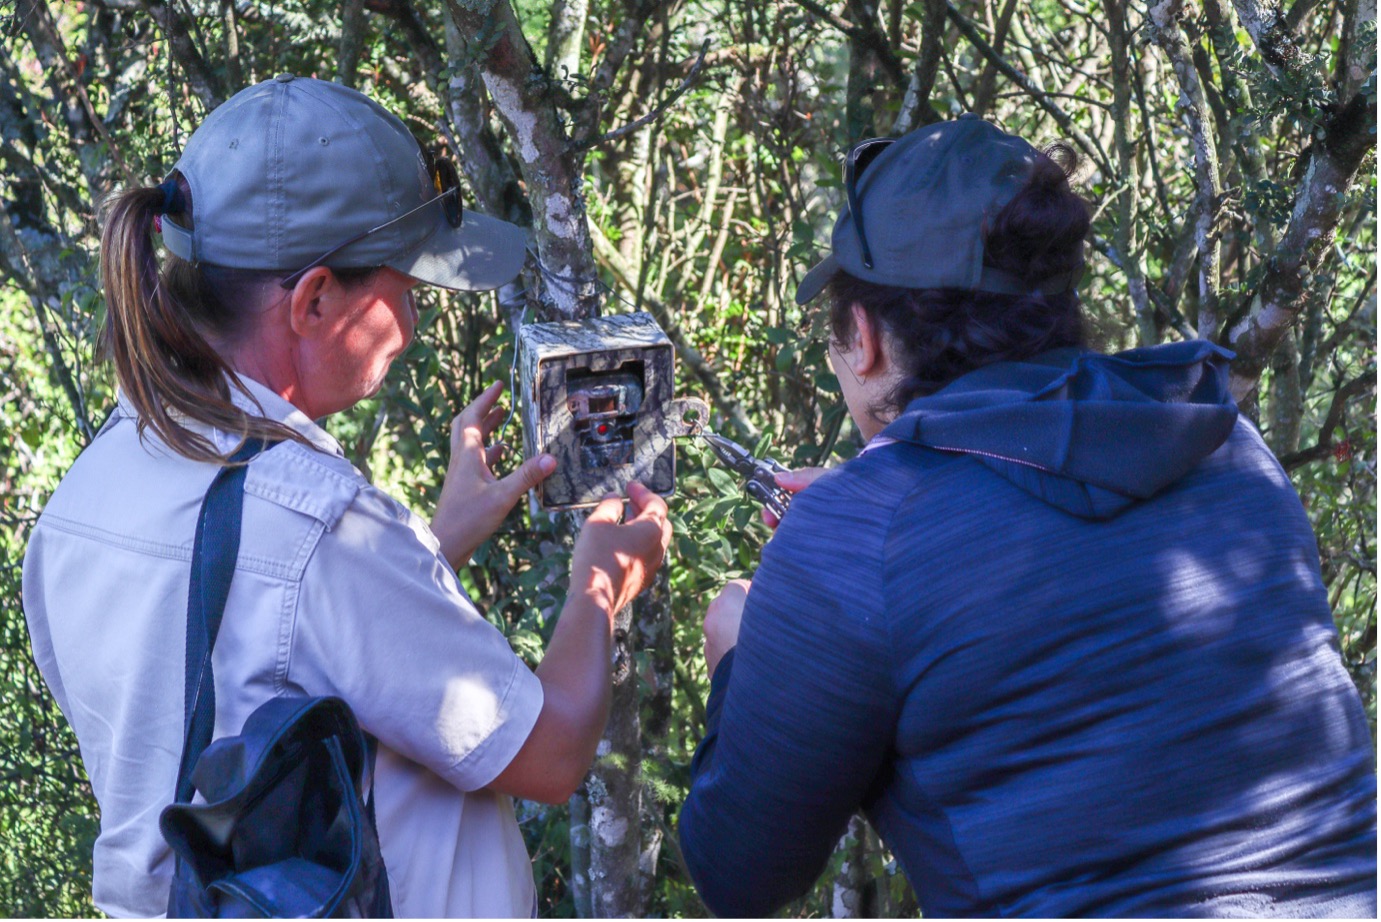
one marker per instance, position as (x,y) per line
(1299,10)
(1042,98)
(352,23)
(1164,21)
(590,110)
(983,96)
(81,118)
(1244,133)
(916,108)
(487,168)
(430,60)
(867,33)
(1282,293)
(205,85)
(1165,311)
(23,270)
(1125,228)
(1270,32)
(564,34)
(1343,329)
(657,111)
(1363,384)
(568,287)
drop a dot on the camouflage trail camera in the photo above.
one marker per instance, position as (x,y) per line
(597,394)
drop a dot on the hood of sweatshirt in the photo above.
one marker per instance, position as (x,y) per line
(1088,433)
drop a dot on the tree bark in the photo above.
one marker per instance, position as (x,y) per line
(203,81)
(614,791)
(1164,18)
(863,75)
(1283,292)
(1271,33)
(656,645)
(916,108)
(855,891)
(565,35)
(1286,405)
(1125,230)
(521,94)
(352,24)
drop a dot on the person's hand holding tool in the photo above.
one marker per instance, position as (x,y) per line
(473,500)
(791,482)
(612,563)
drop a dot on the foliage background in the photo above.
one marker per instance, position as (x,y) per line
(1229,152)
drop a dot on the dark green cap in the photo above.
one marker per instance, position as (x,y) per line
(287,169)
(925,202)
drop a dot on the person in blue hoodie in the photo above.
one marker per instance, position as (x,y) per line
(1059,629)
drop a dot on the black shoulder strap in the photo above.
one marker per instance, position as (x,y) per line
(214,551)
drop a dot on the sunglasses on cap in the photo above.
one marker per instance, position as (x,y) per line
(445,180)
(855,162)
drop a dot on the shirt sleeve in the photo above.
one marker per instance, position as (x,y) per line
(382,622)
(801,714)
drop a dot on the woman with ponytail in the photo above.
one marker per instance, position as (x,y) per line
(267,283)
(1059,629)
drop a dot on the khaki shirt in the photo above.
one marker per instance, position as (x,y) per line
(338,590)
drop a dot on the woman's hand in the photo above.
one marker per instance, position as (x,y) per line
(612,563)
(473,501)
(722,620)
(792,482)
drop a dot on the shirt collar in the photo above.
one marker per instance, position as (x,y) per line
(876,441)
(260,402)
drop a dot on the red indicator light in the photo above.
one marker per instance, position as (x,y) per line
(603,429)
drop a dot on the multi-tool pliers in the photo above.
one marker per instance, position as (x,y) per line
(759,474)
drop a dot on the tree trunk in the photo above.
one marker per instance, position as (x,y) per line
(855,893)
(564,37)
(656,643)
(568,286)
(1286,405)
(614,792)
(863,75)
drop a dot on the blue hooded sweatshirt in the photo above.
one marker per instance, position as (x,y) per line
(1065,642)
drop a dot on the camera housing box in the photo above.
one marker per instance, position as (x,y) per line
(598,395)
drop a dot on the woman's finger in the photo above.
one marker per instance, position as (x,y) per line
(491,421)
(475,412)
(798,480)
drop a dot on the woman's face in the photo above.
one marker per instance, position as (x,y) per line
(374,326)
(853,390)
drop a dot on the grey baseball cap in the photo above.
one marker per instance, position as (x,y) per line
(923,202)
(286,170)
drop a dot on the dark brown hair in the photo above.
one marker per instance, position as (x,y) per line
(940,334)
(161,319)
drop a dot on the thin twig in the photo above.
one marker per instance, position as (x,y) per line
(1362,384)
(657,112)
(1042,98)
(867,33)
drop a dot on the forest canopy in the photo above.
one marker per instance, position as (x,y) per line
(683,157)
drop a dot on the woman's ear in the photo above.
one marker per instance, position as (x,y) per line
(312,302)
(864,355)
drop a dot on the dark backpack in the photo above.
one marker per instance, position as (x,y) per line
(287,829)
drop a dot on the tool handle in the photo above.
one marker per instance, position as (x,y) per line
(769,494)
